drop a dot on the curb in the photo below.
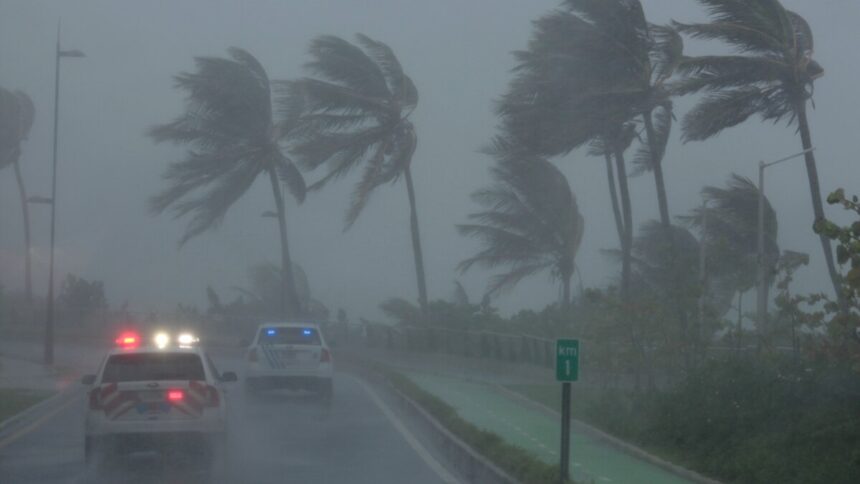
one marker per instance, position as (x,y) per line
(58,398)
(622,445)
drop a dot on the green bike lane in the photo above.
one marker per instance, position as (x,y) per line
(591,459)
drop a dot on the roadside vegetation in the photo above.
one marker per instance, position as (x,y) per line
(520,464)
(673,358)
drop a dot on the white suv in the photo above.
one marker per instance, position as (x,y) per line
(164,399)
(293,356)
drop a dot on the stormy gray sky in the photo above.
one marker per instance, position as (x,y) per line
(457,52)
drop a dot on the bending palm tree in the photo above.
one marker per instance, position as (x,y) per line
(590,70)
(356,112)
(530,223)
(16,118)
(229,128)
(771,75)
(729,228)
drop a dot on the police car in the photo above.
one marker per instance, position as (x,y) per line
(291,356)
(165,396)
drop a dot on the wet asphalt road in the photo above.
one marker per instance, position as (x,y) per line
(273,438)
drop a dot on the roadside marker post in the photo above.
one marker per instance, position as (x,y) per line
(566,371)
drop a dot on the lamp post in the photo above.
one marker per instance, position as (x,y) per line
(761,286)
(49,323)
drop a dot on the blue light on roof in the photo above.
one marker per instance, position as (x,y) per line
(306,332)
(270,332)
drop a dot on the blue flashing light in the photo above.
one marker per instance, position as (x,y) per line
(307,332)
(270,332)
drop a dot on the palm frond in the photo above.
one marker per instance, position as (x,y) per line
(290,175)
(771,72)
(530,220)
(228,128)
(348,65)
(352,113)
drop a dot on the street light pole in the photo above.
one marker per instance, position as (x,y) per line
(49,323)
(761,280)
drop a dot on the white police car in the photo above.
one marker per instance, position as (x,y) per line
(165,397)
(291,356)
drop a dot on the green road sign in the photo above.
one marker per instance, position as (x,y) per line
(567,359)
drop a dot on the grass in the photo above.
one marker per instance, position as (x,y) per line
(15,400)
(516,461)
(549,395)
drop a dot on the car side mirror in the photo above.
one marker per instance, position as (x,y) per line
(88,379)
(229,376)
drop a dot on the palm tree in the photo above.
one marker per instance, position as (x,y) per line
(728,224)
(590,70)
(530,223)
(355,112)
(771,74)
(232,139)
(16,118)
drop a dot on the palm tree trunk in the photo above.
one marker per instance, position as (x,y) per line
(627,212)
(666,222)
(636,339)
(739,329)
(613,195)
(289,298)
(565,296)
(657,168)
(817,206)
(416,242)
(25,211)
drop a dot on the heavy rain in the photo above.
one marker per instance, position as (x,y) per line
(392,241)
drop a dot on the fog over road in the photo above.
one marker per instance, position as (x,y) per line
(275,438)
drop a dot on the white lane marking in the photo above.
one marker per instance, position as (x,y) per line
(37,423)
(419,449)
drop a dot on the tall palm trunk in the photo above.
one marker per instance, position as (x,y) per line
(290,306)
(627,213)
(666,222)
(657,168)
(740,328)
(565,288)
(25,211)
(613,195)
(416,242)
(817,207)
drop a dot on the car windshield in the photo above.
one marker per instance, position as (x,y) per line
(289,336)
(153,367)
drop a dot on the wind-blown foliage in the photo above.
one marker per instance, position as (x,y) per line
(729,226)
(771,73)
(591,68)
(530,223)
(232,140)
(354,112)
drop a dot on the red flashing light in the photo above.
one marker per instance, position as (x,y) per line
(128,340)
(175,395)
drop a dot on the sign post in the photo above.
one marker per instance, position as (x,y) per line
(566,371)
